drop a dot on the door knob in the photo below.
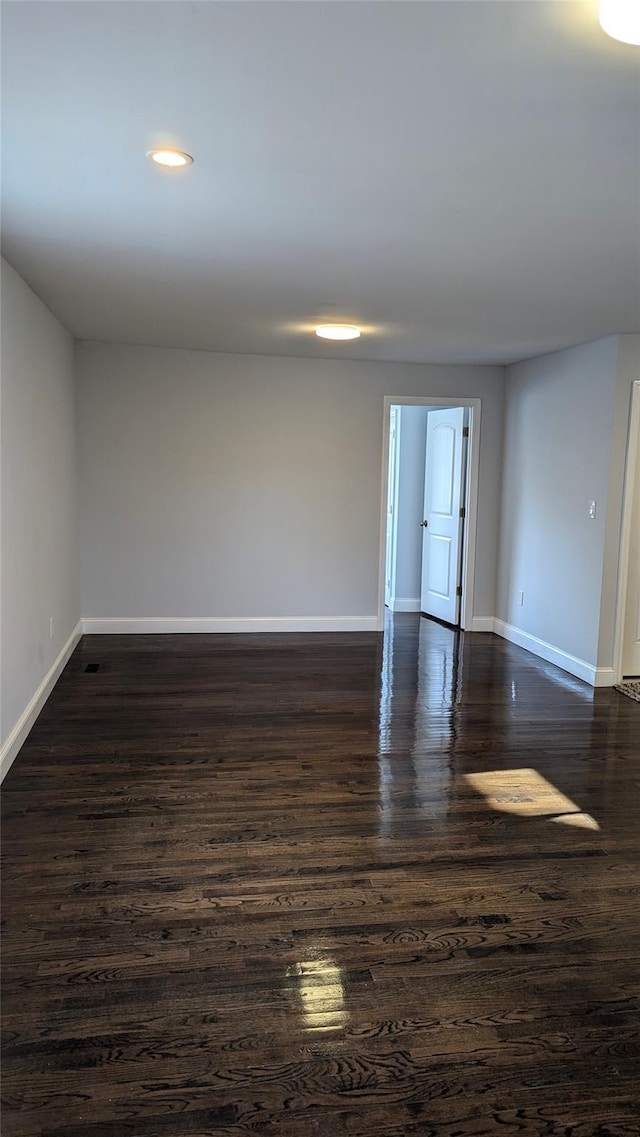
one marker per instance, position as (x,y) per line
(424,524)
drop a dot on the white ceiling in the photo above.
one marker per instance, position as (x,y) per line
(462,178)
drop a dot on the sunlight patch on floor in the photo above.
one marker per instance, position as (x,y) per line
(525,792)
(580,820)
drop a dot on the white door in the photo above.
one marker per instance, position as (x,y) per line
(390,565)
(631,632)
(442,516)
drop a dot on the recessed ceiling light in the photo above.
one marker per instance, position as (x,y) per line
(338,332)
(173,159)
(620,19)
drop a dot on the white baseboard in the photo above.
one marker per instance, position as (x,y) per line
(29,715)
(115,626)
(481,624)
(595,676)
(405,604)
(605,677)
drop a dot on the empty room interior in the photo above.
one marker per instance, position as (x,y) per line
(320,580)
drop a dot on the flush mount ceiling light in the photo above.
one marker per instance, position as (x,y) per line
(172,159)
(338,332)
(620,19)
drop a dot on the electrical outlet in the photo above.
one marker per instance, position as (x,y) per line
(51,627)
(521,599)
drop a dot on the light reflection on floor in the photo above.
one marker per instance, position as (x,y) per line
(425,719)
(321,993)
(428,674)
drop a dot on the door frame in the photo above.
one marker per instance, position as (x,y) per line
(633,456)
(394,510)
(470,495)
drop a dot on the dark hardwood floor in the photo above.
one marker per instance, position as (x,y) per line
(307,886)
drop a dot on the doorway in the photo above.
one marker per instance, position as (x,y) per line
(627,650)
(431,458)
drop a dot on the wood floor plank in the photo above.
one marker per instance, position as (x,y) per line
(322,884)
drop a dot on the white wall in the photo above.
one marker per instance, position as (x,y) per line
(558,444)
(249,486)
(413,436)
(39,539)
